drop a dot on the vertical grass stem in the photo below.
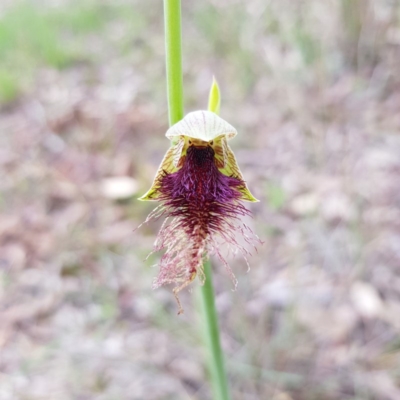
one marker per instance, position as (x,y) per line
(211,329)
(173,58)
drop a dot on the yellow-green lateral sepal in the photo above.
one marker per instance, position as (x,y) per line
(170,163)
(231,168)
(247,196)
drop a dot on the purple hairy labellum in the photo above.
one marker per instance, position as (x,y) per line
(200,188)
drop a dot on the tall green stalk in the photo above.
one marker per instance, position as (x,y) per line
(173,59)
(173,38)
(211,329)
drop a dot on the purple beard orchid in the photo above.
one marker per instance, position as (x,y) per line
(200,188)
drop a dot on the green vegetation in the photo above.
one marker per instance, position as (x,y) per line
(31,37)
(9,89)
(276,196)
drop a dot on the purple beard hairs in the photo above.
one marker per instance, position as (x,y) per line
(203,211)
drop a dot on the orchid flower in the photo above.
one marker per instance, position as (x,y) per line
(200,188)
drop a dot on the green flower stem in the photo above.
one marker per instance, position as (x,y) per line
(173,58)
(173,38)
(211,330)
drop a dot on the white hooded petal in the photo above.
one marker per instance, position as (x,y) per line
(203,125)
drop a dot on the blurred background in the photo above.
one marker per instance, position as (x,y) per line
(313,88)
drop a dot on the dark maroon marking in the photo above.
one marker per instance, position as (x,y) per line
(200,194)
